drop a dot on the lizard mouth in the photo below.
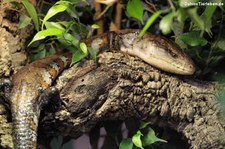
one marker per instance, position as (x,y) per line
(160,59)
(185,69)
(159,52)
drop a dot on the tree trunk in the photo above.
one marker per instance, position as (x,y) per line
(12,57)
(115,88)
(120,87)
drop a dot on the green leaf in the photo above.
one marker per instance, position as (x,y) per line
(136,139)
(32,13)
(221,44)
(45,33)
(92,53)
(209,11)
(151,138)
(66,23)
(83,48)
(181,15)
(24,21)
(126,144)
(135,9)
(207,18)
(55,9)
(166,23)
(94,26)
(38,52)
(192,12)
(149,22)
(72,11)
(67,39)
(51,51)
(144,124)
(193,39)
(57,25)
(178,29)
(77,56)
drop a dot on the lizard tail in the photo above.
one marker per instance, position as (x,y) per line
(25,124)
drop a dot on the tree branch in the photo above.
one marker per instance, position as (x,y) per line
(99,22)
(122,87)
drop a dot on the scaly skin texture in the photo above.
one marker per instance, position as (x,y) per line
(25,106)
(38,76)
(157,51)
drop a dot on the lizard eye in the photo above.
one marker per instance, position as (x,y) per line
(173,54)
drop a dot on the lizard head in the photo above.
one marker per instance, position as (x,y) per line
(157,51)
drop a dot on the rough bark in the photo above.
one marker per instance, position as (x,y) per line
(12,57)
(118,87)
(12,39)
(121,87)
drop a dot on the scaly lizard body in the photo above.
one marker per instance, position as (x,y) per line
(155,50)
(28,83)
(31,80)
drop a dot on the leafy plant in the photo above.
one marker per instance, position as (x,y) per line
(194,31)
(190,25)
(193,27)
(137,6)
(32,13)
(62,32)
(139,139)
(199,31)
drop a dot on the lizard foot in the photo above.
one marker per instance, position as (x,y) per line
(49,99)
(6,86)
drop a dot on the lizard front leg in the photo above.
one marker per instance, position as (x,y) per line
(6,86)
(49,99)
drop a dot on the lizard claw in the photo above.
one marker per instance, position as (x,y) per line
(50,98)
(5,82)
(6,86)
